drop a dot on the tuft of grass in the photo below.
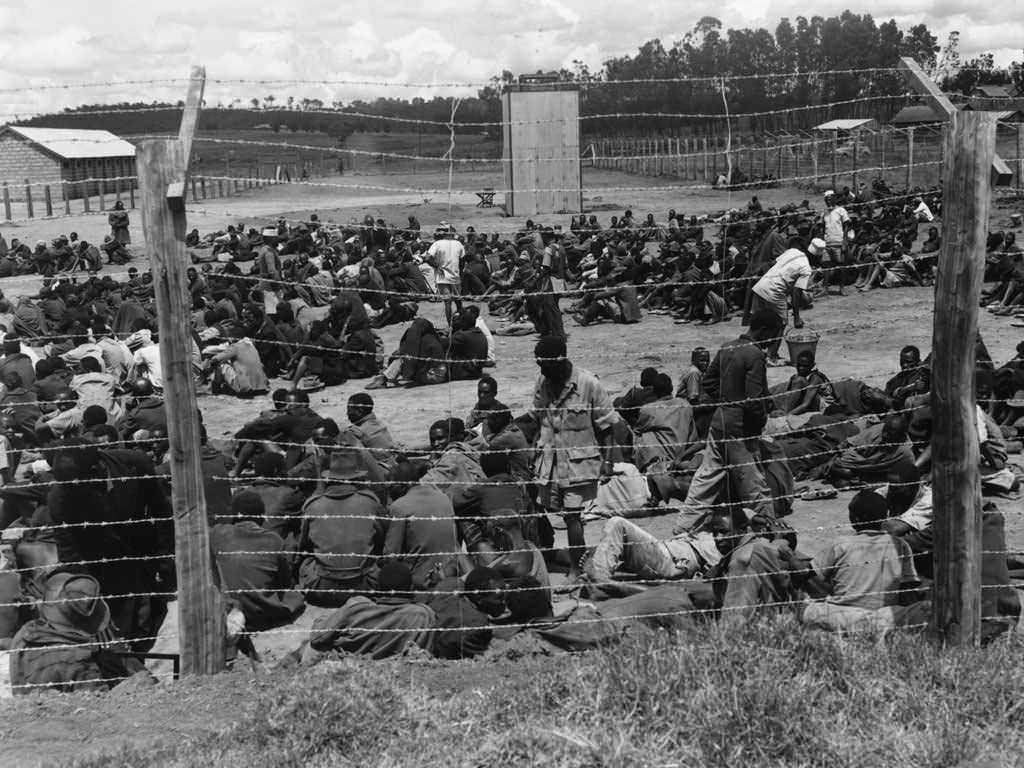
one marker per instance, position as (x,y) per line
(769,695)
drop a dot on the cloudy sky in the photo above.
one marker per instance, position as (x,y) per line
(55,42)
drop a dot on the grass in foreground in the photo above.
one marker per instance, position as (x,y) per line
(773,696)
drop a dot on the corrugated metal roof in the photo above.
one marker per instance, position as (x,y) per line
(844,125)
(916,113)
(72,144)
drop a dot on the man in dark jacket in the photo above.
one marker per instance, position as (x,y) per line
(282,503)
(342,533)
(737,381)
(254,566)
(119,490)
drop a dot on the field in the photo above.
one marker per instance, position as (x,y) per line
(772,695)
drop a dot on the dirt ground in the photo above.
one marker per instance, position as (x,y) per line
(861,336)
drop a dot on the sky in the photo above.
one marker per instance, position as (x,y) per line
(57,42)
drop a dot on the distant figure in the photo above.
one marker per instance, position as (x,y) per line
(118,219)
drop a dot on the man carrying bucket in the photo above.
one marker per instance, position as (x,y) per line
(786,281)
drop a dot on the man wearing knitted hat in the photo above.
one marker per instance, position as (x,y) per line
(575,416)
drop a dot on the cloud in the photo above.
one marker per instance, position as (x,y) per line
(61,41)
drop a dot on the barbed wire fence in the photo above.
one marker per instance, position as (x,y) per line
(187,484)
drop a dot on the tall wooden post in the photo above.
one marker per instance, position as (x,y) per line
(814,160)
(7,202)
(1020,160)
(48,199)
(704,147)
(67,198)
(28,199)
(856,160)
(966,197)
(100,186)
(835,159)
(910,157)
(162,169)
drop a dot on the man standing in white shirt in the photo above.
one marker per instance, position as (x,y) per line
(786,281)
(837,222)
(446,255)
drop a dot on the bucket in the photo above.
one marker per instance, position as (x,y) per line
(1016,219)
(801,340)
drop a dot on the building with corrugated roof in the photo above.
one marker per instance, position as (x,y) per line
(56,156)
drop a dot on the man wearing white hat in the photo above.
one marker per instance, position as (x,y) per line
(786,281)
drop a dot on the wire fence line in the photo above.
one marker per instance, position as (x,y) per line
(388,484)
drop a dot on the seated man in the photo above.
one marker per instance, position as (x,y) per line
(665,439)
(690,381)
(628,405)
(466,349)
(377,626)
(494,522)
(869,455)
(455,463)
(146,410)
(421,531)
(255,568)
(238,370)
(464,616)
(63,648)
(342,534)
(913,379)
(758,571)
(802,393)
(486,402)
(867,579)
(369,431)
(282,502)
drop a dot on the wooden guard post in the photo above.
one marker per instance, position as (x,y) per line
(938,101)
(966,196)
(162,166)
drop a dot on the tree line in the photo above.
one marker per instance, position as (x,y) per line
(709,70)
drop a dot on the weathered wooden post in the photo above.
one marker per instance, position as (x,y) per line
(162,169)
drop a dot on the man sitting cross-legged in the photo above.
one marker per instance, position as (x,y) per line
(868,578)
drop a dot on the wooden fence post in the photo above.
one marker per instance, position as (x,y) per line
(131,193)
(48,200)
(835,159)
(117,189)
(814,161)
(202,187)
(1020,160)
(856,151)
(778,142)
(162,166)
(28,199)
(161,162)
(956,480)
(7,202)
(707,160)
(66,196)
(910,157)
(85,199)
(100,188)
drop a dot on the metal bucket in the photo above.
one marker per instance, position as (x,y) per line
(801,340)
